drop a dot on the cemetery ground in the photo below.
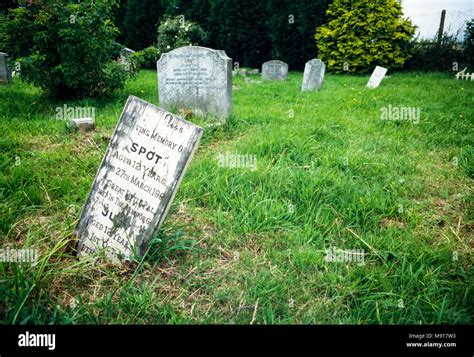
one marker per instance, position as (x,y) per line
(249,246)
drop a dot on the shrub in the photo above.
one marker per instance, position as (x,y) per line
(364,33)
(174,32)
(66,49)
(468,45)
(146,58)
(428,55)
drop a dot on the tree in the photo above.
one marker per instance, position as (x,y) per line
(138,29)
(291,25)
(239,28)
(360,34)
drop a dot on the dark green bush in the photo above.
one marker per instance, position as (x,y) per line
(468,45)
(146,58)
(362,34)
(428,55)
(68,50)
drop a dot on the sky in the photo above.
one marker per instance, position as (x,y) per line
(426,15)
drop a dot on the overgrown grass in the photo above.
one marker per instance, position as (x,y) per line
(243,246)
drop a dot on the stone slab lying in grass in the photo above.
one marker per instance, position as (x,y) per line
(136,181)
(82,124)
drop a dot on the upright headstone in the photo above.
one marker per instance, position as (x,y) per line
(5,72)
(275,70)
(313,75)
(136,181)
(125,55)
(376,77)
(197,79)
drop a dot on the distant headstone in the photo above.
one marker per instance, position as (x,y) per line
(313,75)
(5,72)
(198,79)
(136,181)
(275,70)
(125,55)
(376,77)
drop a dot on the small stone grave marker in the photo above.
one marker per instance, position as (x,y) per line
(197,79)
(313,75)
(136,181)
(376,77)
(275,70)
(82,124)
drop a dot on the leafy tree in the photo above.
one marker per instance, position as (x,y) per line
(240,29)
(291,25)
(8,4)
(140,17)
(66,49)
(360,34)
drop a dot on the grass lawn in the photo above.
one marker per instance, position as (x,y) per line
(248,246)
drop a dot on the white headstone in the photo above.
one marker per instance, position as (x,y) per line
(275,70)
(376,77)
(313,75)
(198,79)
(136,181)
(5,72)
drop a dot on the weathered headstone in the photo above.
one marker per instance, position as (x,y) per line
(198,79)
(376,77)
(5,72)
(275,70)
(313,75)
(125,55)
(136,181)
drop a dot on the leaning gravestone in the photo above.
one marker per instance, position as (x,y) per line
(136,181)
(313,75)
(275,70)
(197,79)
(376,77)
(5,72)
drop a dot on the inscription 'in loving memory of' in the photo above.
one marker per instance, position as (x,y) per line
(138,178)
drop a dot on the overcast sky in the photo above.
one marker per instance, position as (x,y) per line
(426,15)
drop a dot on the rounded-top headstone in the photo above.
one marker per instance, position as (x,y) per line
(198,79)
(275,70)
(313,75)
